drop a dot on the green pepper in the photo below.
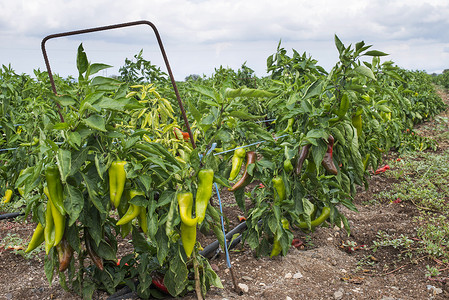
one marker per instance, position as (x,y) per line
(188,224)
(133,210)
(55,189)
(142,218)
(36,239)
(204,192)
(357,123)
(279,186)
(289,128)
(277,248)
(125,229)
(246,178)
(49,230)
(117,180)
(185,202)
(288,166)
(58,218)
(237,160)
(188,238)
(325,213)
(8,195)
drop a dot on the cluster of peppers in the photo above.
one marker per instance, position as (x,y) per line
(127,211)
(185,202)
(55,220)
(327,163)
(278,183)
(237,161)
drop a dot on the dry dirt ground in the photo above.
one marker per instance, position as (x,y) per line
(324,268)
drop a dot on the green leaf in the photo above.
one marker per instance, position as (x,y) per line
(245,115)
(208,119)
(65,100)
(93,195)
(94,68)
(162,244)
(78,159)
(74,202)
(81,60)
(316,134)
(194,111)
(383,108)
(339,45)
(375,53)
(106,251)
(365,71)
(100,80)
(140,243)
(208,92)
(49,265)
(212,276)
(74,139)
(176,277)
(114,104)
(313,90)
(64,159)
(95,122)
(88,289)
(210,102)
(318,152)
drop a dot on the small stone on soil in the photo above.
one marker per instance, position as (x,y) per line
(338,294)
(243,287)
(297,275)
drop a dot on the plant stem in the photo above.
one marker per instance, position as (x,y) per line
(199,294)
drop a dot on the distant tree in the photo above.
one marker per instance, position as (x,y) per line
(192,77)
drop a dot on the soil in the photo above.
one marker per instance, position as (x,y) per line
(324,267)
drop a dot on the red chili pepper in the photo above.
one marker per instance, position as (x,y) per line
(297,243)
(328,162)
(383,169)
(158,281)
(241,219)
(397,201)
(302,155)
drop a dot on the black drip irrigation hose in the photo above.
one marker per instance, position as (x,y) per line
(10,215)
(209,252)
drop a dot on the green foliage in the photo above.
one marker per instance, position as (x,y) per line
(367,106)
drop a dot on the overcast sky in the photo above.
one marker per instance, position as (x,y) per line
(200,35)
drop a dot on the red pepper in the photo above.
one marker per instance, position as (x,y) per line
(328,162)
(181,135)
(297,243)
(383,169)
(158,281)
(302,155)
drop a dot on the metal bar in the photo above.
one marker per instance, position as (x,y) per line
(115,26)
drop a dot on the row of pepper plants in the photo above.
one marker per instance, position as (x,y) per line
(107,159)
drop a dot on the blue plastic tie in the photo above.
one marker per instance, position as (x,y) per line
(228,260)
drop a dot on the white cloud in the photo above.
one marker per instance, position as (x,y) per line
(202,34)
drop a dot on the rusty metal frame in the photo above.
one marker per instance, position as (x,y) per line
(116,26)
